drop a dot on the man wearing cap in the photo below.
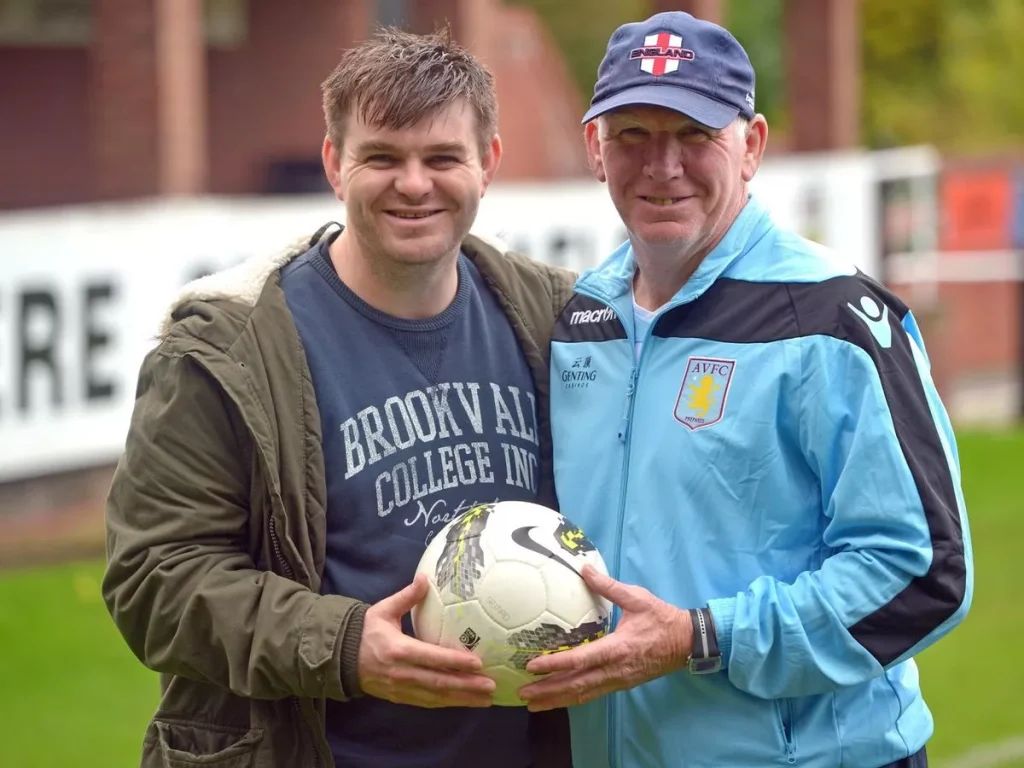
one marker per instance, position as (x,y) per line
(758,451)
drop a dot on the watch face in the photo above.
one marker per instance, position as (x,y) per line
(705,666)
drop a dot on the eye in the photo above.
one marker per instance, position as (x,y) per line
(633,135)
(380,159)
(443,161)
(692,132)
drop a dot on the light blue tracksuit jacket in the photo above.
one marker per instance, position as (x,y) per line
(779,454)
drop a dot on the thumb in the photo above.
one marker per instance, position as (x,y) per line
(604,585)
(407,598)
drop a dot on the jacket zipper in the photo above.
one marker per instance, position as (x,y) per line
(286,568)
(275,544)
(784,707)
(627,410)
(282,561)
(625,435)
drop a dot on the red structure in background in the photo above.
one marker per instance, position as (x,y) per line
(972,288)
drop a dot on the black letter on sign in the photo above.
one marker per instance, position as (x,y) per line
(39,351)
(95,339)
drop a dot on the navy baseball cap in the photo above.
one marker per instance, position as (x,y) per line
(676,61)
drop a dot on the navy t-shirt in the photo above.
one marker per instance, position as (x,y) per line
(421,420)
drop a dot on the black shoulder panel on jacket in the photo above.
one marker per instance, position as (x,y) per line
(585,319)
(859,311)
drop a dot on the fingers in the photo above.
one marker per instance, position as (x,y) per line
(567,690)
(420,696)
(391,647)
(407,598)
(594,654)
(621,594)
(405,670)
(553,663)
(427,655)
(437,682)
(423,687)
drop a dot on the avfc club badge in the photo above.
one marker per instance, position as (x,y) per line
(704,392)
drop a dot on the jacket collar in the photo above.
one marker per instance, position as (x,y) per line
(613,279)
(244,282)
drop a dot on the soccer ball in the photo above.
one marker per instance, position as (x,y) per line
(505,584)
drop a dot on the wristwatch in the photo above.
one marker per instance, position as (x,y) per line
(706,657)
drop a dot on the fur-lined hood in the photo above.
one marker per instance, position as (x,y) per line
(242,282)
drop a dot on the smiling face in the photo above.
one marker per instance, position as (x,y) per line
(412,194)
(676,184)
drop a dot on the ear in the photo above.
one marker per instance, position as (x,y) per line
(756,141)
(331,157)
(490,162)
(592,138)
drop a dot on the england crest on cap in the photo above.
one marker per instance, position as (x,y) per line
(661,53)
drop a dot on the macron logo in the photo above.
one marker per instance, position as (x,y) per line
(876,319)
(591,316)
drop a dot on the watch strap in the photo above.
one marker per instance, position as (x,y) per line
(706,656)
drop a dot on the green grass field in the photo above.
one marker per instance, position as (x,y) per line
(71,694)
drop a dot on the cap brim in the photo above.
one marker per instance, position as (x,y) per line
(713,114)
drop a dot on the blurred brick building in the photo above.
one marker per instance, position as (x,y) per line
(114,99)
(117,99)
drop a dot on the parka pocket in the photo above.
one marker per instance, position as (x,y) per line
(183,744)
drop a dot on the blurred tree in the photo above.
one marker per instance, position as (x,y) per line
(981,65)
(581,29)
(901,85)
(943,72)
(934,71)
(757,24)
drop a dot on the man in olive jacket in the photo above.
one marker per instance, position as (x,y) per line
(229,534)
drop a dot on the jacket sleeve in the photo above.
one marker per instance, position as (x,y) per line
(898,573)
(181,584)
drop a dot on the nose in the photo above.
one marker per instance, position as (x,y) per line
(664,158)
(414,182)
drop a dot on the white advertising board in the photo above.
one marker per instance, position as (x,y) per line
(82,289)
